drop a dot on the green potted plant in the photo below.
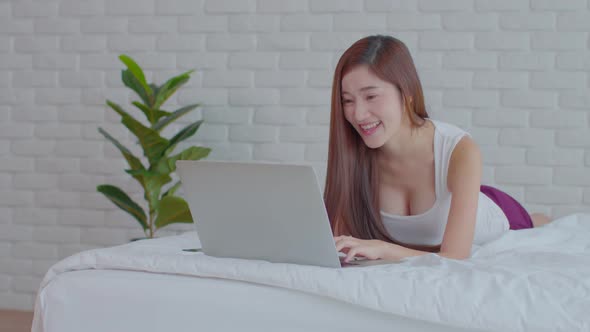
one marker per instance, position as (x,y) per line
(164,208)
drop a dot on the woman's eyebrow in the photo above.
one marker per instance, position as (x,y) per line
(363,89)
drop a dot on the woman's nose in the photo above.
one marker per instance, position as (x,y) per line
(360,112)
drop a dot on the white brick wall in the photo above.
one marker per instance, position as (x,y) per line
(515,73)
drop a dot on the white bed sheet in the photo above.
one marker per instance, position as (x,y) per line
(111,300)
(527,280)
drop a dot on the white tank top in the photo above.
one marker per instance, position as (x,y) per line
(428,228)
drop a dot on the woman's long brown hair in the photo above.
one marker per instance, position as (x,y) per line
(351,192)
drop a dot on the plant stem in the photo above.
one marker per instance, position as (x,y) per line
(151,225)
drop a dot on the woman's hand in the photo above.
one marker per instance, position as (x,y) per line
(371,249)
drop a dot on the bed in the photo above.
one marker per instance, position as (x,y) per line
(527,280)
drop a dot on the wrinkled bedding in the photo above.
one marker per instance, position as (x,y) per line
(526,280)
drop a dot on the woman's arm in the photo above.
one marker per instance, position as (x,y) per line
(463,181)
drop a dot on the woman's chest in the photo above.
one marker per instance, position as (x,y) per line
(410,193)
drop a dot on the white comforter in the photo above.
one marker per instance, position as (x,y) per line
(525,280)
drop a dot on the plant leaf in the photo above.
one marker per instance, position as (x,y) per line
(117,108)
(173,209)
(153,186)
(134,68)
(161,113)
(154,181)
(122,200)
(173,116)
(152,143)
(132,160)
(143,172)
(155,89)
(168,165)
(133,83)
(148,112)
(185,133)
(136,71)
(170,87)
(172,189)
(153,115)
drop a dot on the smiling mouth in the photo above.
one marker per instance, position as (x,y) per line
(370,128)
(370,125)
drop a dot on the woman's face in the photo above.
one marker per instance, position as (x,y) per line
(372,106)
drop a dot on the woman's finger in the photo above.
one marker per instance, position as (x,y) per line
(341,244)
(345,243)
(351,253)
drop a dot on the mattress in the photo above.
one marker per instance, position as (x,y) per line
(526,280)
(116,300)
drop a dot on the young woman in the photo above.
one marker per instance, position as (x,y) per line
(398,183)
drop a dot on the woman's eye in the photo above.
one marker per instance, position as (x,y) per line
(346,101)
(371,97)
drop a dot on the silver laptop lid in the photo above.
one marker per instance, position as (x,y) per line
(255,210)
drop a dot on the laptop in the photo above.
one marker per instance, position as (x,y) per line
(261,210)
